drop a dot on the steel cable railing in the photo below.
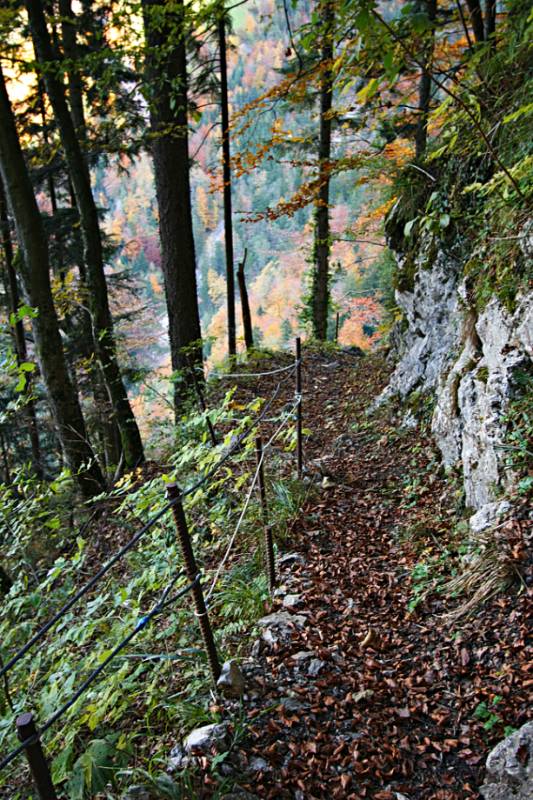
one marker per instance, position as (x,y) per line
(234,375)
(133,541)
(160,605)
(28,733)
(252,486)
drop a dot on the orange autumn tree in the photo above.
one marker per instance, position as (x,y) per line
(382,96)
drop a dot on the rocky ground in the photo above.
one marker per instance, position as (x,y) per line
(359,684)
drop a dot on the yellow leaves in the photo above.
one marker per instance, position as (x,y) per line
(368,91)
(250,23)
(382,210)
(208,211)
(400,151)
(216,286)
(66,292)
(154,283)
(236,406)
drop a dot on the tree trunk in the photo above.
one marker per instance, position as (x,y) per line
(19,337)
(322,247)
(226,177)
(70,50)
(245,305)
(108,432)
(5,459)
(5,581)
(92,240)
(476,19)
(490,18)
(166,87)
(35,269)
(107,426)
(424,88)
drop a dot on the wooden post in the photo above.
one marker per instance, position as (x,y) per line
(269,544)
(337,328)
(245,304)
(201,401)
(34,753)
(299,406)
(191,569)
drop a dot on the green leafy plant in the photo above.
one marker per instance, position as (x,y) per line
(486,712)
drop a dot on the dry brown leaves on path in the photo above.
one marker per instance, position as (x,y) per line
(367,700)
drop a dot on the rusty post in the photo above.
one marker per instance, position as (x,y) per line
(201,401)
(34,753)
(299,406)
(191,569)
(269,544)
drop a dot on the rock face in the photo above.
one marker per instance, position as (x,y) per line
(510,767)
(432,313)
(470,360)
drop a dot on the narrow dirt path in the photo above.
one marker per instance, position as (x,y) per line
(358,697)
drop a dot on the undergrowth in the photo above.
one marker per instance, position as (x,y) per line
(159,687)
(462,202)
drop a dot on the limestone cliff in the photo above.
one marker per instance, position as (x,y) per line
(472,359)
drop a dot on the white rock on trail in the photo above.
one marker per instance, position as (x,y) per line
(510,767)
(292,600)
(231,680)
(202,740)
(289,559)
(278,626)
(488,516)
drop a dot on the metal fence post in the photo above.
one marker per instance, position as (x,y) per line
(201,401)
(299,405)
(269,544)
(34,753)
(173,494)
(337,320)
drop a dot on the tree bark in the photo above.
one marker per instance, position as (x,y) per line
(476,19)
(5,581)
(35,270)
(424,88)
(70,50)
(166,88)
(226,177)
(19,337)
(322,248)
(490,18)
(108,431)
(92,241)
(245,305)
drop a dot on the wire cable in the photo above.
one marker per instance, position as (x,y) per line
(225,375)
(160,605)
(164,600)
(38,635)
(248,498)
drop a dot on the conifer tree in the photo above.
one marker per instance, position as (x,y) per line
(91,234)
(226,179)
(35,273)
(166,88)
(19,335)
(321,276)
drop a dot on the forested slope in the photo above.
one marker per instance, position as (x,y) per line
(289,558)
